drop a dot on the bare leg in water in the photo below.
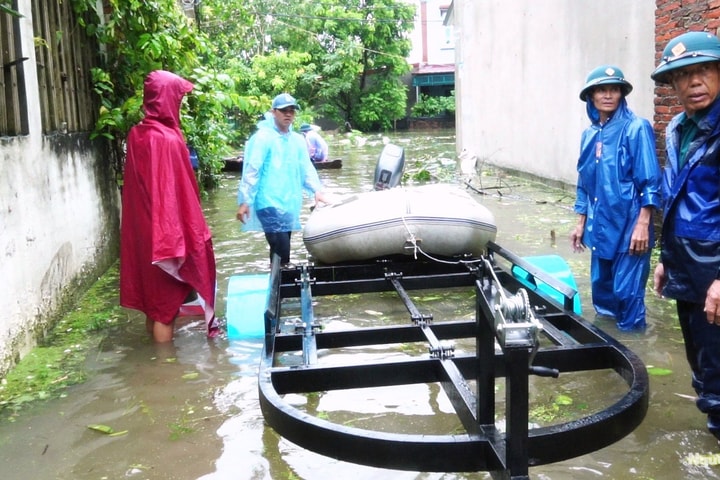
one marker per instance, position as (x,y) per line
(161,333)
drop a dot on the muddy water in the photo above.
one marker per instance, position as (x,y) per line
(191,411)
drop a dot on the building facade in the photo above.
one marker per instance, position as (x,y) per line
(519,69)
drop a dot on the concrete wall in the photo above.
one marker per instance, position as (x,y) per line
(520,66)
(59,215)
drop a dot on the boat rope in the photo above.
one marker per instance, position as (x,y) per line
(417,248)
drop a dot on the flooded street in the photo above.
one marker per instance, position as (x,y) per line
(190,411)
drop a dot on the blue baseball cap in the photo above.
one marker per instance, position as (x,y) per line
(284,100)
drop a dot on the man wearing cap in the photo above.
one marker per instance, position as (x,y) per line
(618,190)
(689,265)
(276,169)
(317,146)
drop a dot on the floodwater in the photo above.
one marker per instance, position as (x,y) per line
(190,411)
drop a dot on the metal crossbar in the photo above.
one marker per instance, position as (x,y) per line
(534,335)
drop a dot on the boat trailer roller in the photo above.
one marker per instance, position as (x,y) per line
(518,331)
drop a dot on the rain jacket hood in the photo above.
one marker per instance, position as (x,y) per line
(165,244)
(162,96)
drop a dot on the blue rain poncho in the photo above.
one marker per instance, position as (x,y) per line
(691,228)
(618,174)
(276,171)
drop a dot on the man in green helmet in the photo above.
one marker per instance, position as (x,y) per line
(689,265)
(618,190)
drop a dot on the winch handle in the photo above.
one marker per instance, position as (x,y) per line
(544,371)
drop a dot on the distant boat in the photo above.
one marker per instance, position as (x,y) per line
(235,164)
(335,163)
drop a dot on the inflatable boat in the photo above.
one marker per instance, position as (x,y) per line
(431,220)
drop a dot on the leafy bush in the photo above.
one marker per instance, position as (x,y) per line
(429,106)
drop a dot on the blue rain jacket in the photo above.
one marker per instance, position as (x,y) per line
(276,172)
(691,228)
(618,174)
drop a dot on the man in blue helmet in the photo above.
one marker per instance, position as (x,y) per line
(689,265)
(618,190)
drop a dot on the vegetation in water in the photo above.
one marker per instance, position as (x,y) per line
(57,363)
(560,407)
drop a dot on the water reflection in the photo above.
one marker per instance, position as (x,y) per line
(192,412)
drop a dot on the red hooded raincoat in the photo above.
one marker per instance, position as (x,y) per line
(166,248)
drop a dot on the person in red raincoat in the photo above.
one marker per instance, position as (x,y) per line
(166,249)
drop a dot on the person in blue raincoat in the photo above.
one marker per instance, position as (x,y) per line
(689,267)
(618,190)
(276,172)
(317,146)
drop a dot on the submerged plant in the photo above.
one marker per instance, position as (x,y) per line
(50,368)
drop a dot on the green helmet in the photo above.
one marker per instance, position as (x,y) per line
(605,75)
(687,49)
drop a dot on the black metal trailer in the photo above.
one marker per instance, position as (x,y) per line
(518,331)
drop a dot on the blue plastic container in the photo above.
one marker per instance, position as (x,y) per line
(246,302)
(556,267)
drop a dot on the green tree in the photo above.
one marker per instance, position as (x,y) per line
(354,53)
(140,36)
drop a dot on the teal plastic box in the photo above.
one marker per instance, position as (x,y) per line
(556,267)
(246,302)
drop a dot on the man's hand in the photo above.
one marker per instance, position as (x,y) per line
(243,212)
(712,303)
(640,239)
(659,279)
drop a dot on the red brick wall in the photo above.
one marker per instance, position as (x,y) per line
(673,17)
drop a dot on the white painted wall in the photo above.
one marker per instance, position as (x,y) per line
(440,39)
(520,66)
(58,216)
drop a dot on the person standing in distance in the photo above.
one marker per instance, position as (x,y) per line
(618,190)
(276,170)
(689,266)
(317,146)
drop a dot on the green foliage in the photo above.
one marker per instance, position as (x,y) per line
(50,368)
(340,58)
(6,7)
(138,37)
(344,58)
(429,106)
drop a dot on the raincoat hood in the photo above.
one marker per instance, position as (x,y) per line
(162,96)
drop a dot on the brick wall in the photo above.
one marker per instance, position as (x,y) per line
(672,18)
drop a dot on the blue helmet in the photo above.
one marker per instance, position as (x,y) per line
(605,75)
(687,49)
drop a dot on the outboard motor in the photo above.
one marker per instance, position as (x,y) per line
(389,168)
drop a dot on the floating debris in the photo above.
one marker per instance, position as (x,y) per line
(703,459)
